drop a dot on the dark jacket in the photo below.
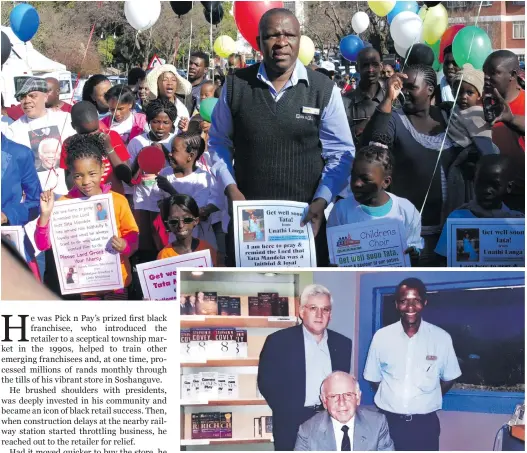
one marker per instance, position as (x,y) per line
(282,378)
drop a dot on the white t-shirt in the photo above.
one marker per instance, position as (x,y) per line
(141,192)
(182,112)
(201,186)
(45,136)
(6,122)
(348,211)
(124,128)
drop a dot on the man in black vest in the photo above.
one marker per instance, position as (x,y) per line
(285,127)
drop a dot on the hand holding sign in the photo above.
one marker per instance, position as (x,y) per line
(119,244)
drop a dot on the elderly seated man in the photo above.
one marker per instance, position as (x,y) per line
(343,426)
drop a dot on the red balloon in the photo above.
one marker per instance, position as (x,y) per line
(447,39)
(247,15)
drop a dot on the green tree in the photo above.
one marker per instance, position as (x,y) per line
(105,49)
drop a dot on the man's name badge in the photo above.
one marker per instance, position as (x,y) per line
(431,357)
(311,110)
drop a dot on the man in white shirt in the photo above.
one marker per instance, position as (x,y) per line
(345,426)
(39,124)
(411,364)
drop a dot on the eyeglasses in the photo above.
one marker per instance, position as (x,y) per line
(186,221)
(334,397)
(410,301)
(313,309)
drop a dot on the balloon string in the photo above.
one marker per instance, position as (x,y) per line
(449,120)
(59,144)
(189,46)
(211,48)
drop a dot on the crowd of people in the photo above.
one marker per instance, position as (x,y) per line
(390,143)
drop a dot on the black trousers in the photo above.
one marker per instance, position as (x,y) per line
(414,432)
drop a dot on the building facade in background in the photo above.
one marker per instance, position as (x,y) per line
(503,21)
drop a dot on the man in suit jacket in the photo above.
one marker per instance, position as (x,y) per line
(295,361)
(345,426)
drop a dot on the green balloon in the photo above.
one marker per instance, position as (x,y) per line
(471,45)
(206,107)
(435,48)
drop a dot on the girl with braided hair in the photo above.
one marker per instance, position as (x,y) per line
(160,115)
(85,163)
(371,175)
(416,134)
(185,177)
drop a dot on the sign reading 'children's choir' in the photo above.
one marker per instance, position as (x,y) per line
(486,242)
(368,244)
(81,235)
(159,278)
(268,233)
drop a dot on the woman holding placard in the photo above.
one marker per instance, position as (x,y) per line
(84,160)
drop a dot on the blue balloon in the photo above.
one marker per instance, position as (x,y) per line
(24,21)
(350,46)
(401,6)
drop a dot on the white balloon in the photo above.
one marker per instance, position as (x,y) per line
(142,15)
(400,50)
(406,29)
(360,22)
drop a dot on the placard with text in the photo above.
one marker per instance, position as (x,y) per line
(485,242)
(14,235)
(377,243)
(81,235)
(159,278)
(268,233)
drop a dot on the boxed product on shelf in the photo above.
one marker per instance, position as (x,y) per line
(232,386)
(186,387)
(223,343)
(200,339)
(241,343)
(235,306)
(283,306)
(196,430)
(226,425)
(266,302)
(184,346)
(206,303)
(263,427)
(223,305)
(208,388)
(254,306)
(209,423)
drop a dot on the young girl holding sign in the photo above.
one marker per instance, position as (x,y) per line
(370,176)
(160,114)
(185,177)
(181,215)
(84,160)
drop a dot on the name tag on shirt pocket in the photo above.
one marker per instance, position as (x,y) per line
(311,110)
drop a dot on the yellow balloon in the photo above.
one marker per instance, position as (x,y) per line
(224,46)
(306,51)
(381,8)
(435,22)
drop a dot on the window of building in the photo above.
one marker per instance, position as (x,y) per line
(453,5)
(488,337)
(518,30)
(486,3)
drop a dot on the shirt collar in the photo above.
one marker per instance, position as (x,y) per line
(422,326)
(308,336)
(338,426)
(299,73)
(358,95)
